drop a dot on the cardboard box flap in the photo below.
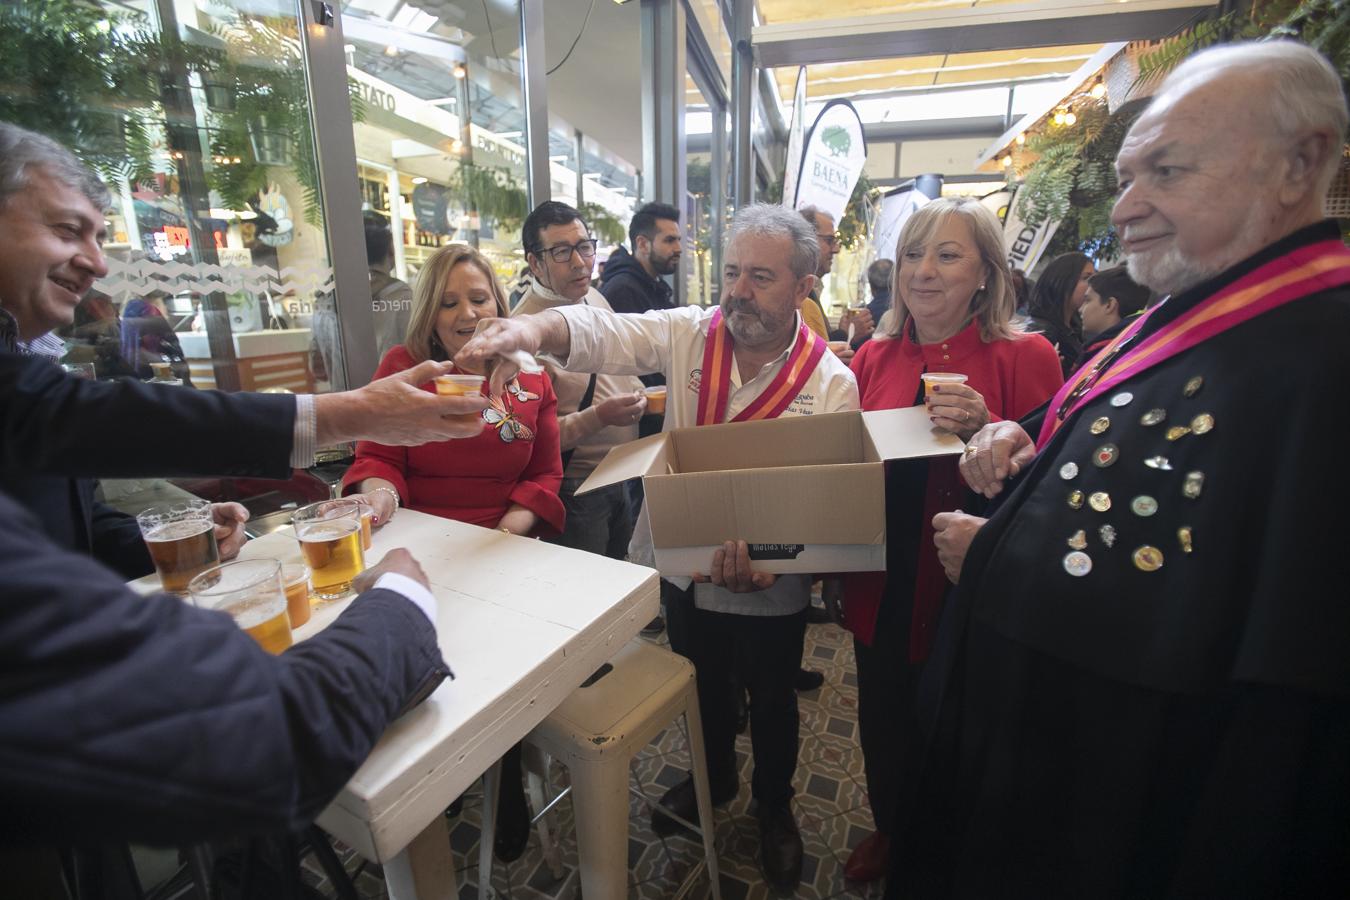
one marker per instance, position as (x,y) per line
(836,504)
(908,434)
(770,443)
(645,456)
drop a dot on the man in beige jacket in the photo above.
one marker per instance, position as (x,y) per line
(595,412)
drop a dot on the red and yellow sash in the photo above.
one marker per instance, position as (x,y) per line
(1300,273)
(715,383)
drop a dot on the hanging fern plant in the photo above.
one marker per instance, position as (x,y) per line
(492,192)
(1073,179)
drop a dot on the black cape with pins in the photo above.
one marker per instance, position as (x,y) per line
(1178,733)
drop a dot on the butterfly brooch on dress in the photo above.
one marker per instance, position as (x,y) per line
(519,392)
(501,415)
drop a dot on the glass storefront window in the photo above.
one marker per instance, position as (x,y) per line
(196,112)
(439,142)
(698,204)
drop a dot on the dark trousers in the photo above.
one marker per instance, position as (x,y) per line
(763,654)
(887,682)
(598,522)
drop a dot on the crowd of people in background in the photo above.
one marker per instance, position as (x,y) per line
(1105,659)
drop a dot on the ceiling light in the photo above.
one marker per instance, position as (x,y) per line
(1058,118)
(1070,118)
(459,71)
(391,50)
(1021,139)
(456,146)
(1098,91)
(419,180)
(1007,161)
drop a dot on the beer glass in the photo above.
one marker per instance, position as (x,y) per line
(182,541)
(295,579)
(250,590)
(330,538)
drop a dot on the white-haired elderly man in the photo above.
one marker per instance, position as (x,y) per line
(738,623)
(1148,689)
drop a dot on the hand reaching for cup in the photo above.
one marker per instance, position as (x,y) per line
(398,561)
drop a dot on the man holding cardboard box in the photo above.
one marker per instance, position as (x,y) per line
(751,358)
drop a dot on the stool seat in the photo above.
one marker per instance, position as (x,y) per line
(597,731)
(606,716)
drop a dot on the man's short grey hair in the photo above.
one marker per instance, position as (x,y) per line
(779,221)
(1305,92)
(22,151)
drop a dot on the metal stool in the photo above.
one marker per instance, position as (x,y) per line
(596,732)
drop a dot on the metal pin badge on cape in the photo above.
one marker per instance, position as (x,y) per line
(1105,455)
(1077,563)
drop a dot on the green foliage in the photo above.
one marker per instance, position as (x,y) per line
(1206,33)
(90,81)
(856,224)
(603,223)
(1323,25)
(493,193)
(1073,179)
(109,88)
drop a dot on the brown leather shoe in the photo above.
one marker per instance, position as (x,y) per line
(870,860)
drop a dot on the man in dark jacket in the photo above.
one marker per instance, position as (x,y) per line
(633,280)
(130,718)
(145,718)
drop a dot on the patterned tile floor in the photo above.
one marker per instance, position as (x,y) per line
(831,807)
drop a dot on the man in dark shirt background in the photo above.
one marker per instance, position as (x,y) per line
(633,282)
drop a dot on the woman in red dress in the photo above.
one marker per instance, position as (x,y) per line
(507,477)
(952,312)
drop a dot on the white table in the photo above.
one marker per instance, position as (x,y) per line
(521,623)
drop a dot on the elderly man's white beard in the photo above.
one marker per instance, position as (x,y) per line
(1172,271)
(1169,273)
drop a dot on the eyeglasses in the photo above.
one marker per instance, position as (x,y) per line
(563,252)
(831,239)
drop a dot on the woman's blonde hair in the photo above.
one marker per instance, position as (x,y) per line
(421,341)
(994,305)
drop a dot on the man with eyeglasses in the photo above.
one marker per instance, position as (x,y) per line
(595,412)
(828,239)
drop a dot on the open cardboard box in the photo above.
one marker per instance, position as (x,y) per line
(807,493)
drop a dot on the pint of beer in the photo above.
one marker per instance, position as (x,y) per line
(295,579)
(182,541)
(330,538)
(367,520)
(250,590)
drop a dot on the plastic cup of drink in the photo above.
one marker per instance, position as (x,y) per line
(295,580)
(250,590)
(460,385)
(329,533)
(181,538)
(656,399)
(939,378)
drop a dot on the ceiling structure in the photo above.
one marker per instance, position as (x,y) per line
(936,69)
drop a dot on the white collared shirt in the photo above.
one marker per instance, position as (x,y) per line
(671,341)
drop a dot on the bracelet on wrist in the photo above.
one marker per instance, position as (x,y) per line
(390,491)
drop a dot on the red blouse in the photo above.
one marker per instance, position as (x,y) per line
(1014,377)
(514,460)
